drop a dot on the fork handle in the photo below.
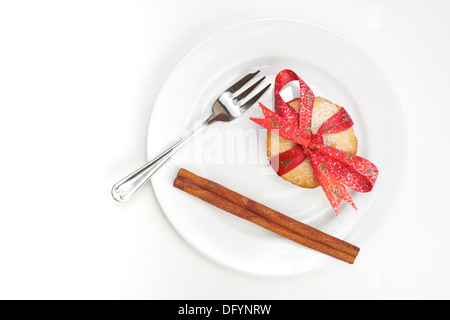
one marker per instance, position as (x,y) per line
(125,188)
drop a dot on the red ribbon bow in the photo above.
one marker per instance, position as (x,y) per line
(332,167)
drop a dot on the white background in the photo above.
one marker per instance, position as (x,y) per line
(78,80)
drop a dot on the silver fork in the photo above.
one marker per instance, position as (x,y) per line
(226,108)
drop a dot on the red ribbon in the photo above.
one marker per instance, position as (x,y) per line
(333,168)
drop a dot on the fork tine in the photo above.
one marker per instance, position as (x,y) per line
(247,91)
(235,87)
(255,98)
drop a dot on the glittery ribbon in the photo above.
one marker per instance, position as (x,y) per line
(333,168)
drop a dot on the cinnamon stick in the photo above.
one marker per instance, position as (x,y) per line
(194,189)
(270,214)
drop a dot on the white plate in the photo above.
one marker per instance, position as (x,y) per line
(234,154)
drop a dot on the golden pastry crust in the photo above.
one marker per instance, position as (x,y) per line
(303,175)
